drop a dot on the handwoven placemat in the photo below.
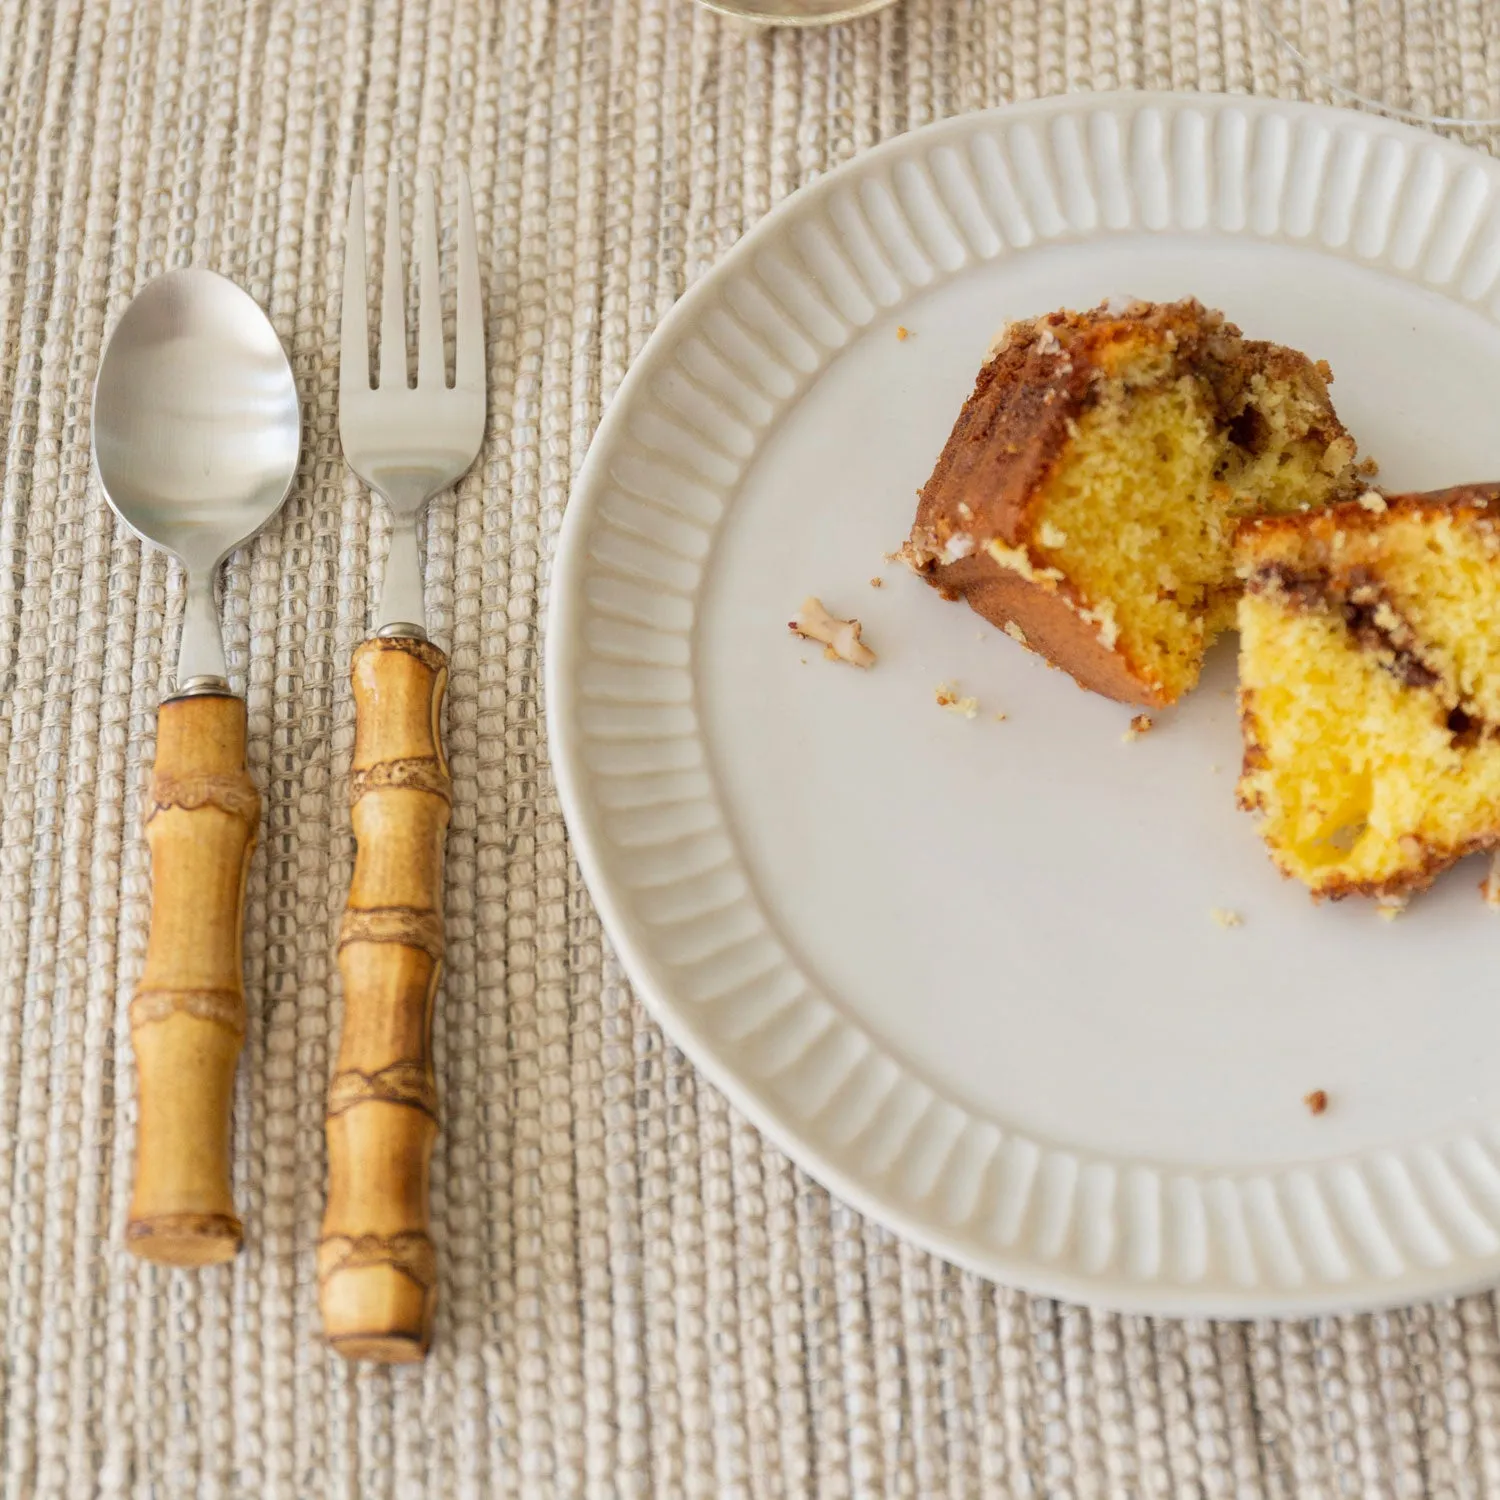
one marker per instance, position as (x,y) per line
(640,1297)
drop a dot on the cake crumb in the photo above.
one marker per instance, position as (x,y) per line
(877,583)
(902,333)
(1139,725)
(1339,452)
(1316,1102)
(1368,467)
(840,637)
(1323,368)
(1051,536)
(1372,501)
(919,551)
(948,697)
(1221,916)
(999,718)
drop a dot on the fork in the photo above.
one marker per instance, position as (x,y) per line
(377,1268)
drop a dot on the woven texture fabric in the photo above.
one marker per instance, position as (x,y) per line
(640,1297)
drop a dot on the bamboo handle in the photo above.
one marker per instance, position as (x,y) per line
(187,1019)
(376,1265)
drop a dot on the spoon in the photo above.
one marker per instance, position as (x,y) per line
(196,435)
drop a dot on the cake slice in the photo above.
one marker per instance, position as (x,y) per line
(1370,687)
(1087,497)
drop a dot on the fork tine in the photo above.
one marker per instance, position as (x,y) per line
(431,366)
(354,329)
(468,338)
(393,309)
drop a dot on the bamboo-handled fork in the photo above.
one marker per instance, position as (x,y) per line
(376,1264)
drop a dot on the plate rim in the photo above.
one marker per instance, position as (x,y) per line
(561,651)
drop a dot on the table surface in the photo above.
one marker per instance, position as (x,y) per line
(640,1296)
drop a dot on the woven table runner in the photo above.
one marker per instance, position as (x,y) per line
(640,1297)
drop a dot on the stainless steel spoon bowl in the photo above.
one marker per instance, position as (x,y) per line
(196,433)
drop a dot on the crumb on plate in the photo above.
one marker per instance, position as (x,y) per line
(948,697)
(902,333)
(1139,725)
(1221,916)
(1369,467)
(1316,1102)
(840,637)
(877,583)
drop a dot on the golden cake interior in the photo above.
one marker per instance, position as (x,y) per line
(1140,511)
(1370,689)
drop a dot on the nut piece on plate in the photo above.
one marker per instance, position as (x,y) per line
(840,638)
(949,697)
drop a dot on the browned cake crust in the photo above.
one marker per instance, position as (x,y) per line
(1298,561)
(1043,375)
(1313,534)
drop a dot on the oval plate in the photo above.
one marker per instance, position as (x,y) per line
(965,971)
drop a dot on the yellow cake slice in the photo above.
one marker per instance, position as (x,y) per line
(1087,497)
(1370,687)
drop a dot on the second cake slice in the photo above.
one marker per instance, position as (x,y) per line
(1370,688)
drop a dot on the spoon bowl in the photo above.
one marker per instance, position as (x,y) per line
(196,432)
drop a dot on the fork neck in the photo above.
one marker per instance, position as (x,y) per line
(401,609)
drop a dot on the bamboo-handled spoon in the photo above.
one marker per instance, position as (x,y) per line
(196,435)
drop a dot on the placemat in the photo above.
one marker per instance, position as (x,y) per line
(639,1296)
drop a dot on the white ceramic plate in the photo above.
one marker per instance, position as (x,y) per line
(964,971)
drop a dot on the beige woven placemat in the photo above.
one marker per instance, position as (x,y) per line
(640,1297)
